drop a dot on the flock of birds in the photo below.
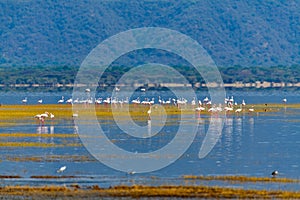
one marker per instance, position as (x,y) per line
(230,105)
(203,105)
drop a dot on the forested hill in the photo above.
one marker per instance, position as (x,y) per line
(57,33)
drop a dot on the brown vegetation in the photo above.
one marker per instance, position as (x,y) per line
(138,191)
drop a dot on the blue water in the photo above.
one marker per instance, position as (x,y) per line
(250,145)
(250,96)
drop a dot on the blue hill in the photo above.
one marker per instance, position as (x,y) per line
(54,32)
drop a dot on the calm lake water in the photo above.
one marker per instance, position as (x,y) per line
(250,145)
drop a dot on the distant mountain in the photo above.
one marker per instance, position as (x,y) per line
(56,32)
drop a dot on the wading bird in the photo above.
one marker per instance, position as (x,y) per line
(275,173)
(63,168)
(284,100)
(61,100)
(149,113)
(24,100)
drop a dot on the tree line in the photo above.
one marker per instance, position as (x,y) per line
(62,75)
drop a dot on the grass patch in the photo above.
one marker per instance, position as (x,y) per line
(10,113)
(242,179)
(140,191)
(37,144)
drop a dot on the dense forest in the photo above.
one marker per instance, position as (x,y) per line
(62,33)
(63,75)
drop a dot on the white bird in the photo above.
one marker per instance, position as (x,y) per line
(40,101)
(75,115)
(152,101)
(200,108)
(38,116)
(98,101)
(45,115)
(131,172)
(227,109)
(284,100)
(238,110)
(107,100)
(76,100)
(70,101)
(274,173)
(24,100)
(199,103)
(251,109)
(87,90)
(63,168)
(61,100)
(117,89)
(243,103)
(205,99)
(149,113)
(193,102)
(212,109)
(41,117)
(143,90)
(51,116)
(136,101)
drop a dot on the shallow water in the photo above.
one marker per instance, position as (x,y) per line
(250,145)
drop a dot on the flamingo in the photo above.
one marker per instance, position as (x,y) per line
(107,100)
(61,100)
(63,168)
(117,89)
(69,101)
(24,100)
(38,117)
(243,103)
(251,109)
(131,172)
(193,102)
(205,100)
(200,108)
(76,100)
(238,110)
(168,101)
(152,101)
(159,100)
(231,99)
(45,115)
(199,103)
(41,117)
(136,101)
(51,116)
(213,109)
(227,109)
(98,101)
(149,113)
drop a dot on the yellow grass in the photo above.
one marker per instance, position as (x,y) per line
(139,191)
(11,113)
(242,179)
(51,158)
(21,135)
(37,144)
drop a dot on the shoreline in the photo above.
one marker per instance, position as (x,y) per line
(256,84)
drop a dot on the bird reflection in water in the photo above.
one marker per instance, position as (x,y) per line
(42,129)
